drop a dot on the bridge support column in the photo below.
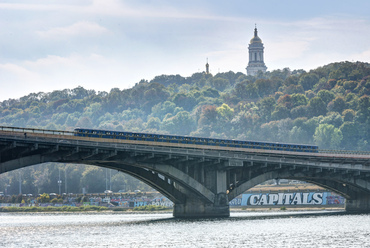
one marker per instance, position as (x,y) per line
(360,204)
(198,207)
(195,208)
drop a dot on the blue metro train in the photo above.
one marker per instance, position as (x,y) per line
(192,140)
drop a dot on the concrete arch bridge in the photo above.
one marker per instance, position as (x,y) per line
(199,179)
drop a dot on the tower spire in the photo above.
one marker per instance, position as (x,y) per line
(255,30)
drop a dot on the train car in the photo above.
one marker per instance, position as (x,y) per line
(83,132)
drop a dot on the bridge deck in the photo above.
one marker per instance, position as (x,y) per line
(67,137)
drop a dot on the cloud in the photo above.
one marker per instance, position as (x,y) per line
(77,29)
(124,9)
(52,72)
(35,6)
(17,71)
(286,50)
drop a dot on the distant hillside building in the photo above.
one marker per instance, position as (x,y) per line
(207,67)
(256,62)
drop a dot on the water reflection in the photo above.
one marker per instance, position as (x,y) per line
(255,229)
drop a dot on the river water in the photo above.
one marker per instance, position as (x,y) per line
(242,229)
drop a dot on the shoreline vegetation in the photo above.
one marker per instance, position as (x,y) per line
(34,209)
(151,208)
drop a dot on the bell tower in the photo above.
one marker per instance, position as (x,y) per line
(256,62)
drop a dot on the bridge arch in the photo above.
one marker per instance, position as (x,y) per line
(168,180)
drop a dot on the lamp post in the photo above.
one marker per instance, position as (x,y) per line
(20,182)
(60,184)
(65,179)
(7,189)
(106,179)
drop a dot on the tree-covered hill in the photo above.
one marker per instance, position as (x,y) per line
(328,106)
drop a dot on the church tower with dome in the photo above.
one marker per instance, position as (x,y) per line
(256,62)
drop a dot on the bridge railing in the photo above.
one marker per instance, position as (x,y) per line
(344,152)
(35,130)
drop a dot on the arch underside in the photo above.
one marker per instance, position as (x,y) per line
(176,185)
(339,182)
(168,180)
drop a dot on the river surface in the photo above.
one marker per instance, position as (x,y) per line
(242,229)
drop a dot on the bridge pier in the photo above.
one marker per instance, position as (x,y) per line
(195,208)
(215,204)
(360,204)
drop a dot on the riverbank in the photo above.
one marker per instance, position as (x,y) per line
(34,209)
(152,209)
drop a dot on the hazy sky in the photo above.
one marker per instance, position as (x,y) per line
(48,45)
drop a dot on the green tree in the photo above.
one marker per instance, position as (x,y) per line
(327,136)
(181,123)
(266,106)
(93,179)
(326,96)
(281,112)
(363,109)
(185,101)
(220,83)
(225,111)
(300,111)
(44,198)
(337,105)
(298,135)
(316,107)
(308,80)
(298,100)
(348,115)
(208,115)
(350,135)
(265,87)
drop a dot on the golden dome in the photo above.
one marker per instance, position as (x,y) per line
(255,39)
